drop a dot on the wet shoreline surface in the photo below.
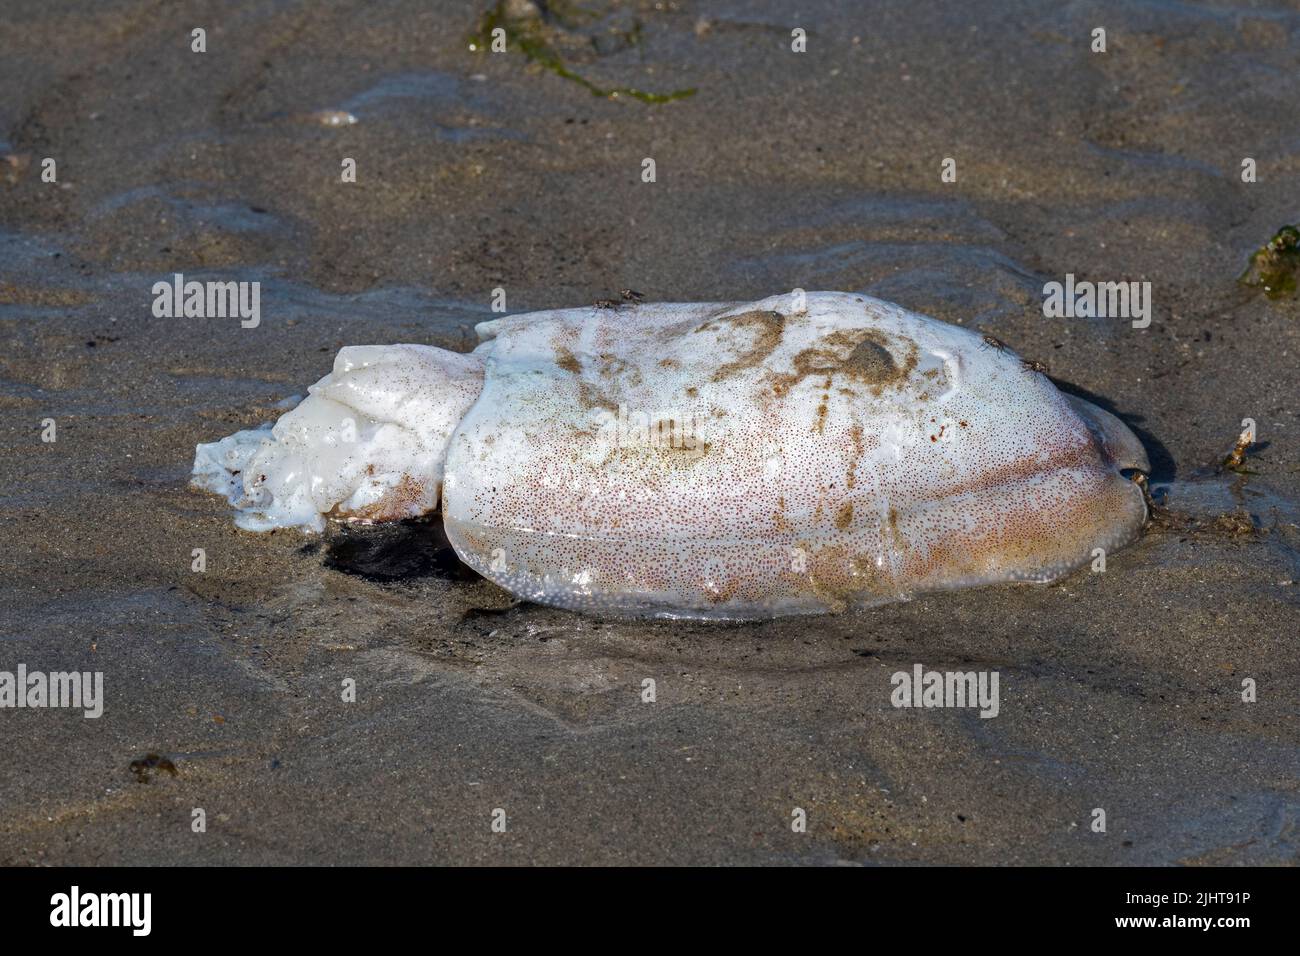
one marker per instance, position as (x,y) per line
(1119,690)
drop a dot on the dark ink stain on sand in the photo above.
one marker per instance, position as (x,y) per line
(392,553)
(479,613)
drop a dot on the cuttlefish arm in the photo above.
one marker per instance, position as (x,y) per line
(368,443)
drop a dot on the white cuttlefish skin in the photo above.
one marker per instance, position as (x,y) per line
(712,460)
(368,443)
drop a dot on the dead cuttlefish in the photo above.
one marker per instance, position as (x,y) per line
(796,455)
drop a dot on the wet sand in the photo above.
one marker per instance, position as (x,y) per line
(1119,690)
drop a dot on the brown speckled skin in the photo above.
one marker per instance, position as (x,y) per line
(847,453)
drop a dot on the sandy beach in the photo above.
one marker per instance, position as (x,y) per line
(477,171)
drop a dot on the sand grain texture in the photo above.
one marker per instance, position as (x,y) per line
(1118,690)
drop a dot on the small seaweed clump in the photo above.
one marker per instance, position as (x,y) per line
(144,767)
(1236,460)
(1274,265)
(540,31)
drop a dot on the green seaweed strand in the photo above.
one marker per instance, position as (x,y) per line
(538,51)
(1273,266)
